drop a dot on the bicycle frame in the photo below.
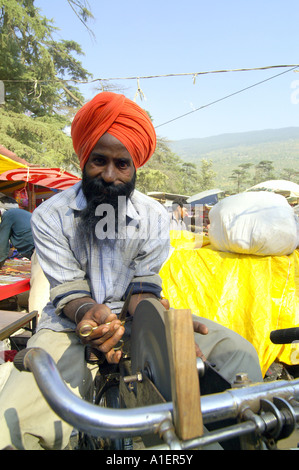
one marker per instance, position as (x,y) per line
(267,409)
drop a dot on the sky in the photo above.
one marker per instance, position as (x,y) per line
(181,38)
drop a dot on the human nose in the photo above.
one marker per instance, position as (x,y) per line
(109,174)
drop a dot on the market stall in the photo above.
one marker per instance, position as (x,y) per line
(32,185)
(14,278)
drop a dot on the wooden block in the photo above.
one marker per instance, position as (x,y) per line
(184,376)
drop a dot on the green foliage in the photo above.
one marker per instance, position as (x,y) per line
(166,171)
(264,170)
(247,174)
(82,11)
(40,140)
(207,175)
(33,65)
(243,159)
(148,178)
(39,102)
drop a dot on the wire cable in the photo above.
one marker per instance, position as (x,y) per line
(225,97)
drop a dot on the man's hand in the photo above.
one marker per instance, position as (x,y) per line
(136,298)
(203,330)
(103,328)
(106,333)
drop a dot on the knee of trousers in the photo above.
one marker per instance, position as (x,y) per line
(229,352)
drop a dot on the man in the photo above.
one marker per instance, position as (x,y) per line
(95,241)
(15,228)
(179,212)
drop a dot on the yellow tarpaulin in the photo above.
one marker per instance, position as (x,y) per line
(249,294)
(8,164)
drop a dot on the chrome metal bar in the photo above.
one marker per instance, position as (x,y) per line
(107,422)
(213,437)
(228,404)
(84,416)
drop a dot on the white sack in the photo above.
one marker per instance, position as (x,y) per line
(259,223)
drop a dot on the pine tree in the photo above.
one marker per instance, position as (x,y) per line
(33,66)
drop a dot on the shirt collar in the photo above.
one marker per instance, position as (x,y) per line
(79,202)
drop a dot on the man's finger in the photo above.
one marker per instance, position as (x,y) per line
(113,357)
(200,328)
(199,353)
(110,340)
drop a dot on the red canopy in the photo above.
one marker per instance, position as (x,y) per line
(53,178)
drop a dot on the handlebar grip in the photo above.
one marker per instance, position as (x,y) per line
(285,336)
(19,360)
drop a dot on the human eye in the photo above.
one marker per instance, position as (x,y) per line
(98,160)
(123,164)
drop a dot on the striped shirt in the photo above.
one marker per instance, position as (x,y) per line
(102,269)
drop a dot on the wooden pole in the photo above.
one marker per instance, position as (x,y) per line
(31,197)
(184,376)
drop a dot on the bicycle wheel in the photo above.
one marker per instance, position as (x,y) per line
(109,397)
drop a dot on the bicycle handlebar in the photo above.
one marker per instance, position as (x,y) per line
(285,336)
(86,417)
(117,423)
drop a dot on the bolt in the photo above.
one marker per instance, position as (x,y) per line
(133,378)
(241,379)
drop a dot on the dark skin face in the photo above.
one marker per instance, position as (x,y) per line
(108,175)
(111,161)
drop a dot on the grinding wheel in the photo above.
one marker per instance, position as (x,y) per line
(149,353)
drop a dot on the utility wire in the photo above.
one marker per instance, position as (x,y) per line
(226,97)
(293,67)
(193,74)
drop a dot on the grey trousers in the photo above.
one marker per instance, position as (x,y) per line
(27,422)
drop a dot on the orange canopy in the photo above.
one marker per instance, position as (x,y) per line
(53,178)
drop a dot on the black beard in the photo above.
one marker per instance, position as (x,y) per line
(97,192)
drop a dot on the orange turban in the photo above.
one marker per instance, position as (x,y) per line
(120,117)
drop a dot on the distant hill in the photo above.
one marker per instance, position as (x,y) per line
(227,151)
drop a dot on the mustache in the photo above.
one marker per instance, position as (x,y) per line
(98,190)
